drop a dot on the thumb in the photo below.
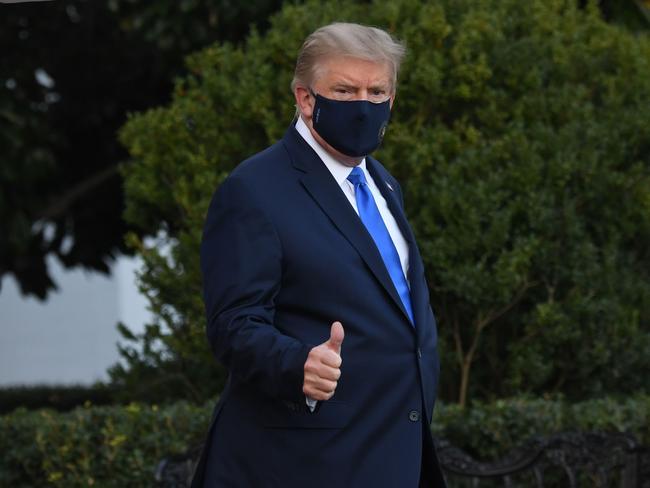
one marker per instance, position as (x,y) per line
(336,337)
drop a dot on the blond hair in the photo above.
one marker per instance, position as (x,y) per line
(347,39)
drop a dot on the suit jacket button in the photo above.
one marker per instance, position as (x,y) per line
(414,415)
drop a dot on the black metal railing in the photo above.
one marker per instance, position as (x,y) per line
(565,460)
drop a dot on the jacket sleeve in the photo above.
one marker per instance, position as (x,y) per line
(241,263)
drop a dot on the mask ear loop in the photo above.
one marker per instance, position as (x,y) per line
(297,114)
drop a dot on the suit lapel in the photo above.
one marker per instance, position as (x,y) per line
(322,187)
(419,299)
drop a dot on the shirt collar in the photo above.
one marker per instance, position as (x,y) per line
(339,170)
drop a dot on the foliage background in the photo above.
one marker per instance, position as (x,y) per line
(68,74)
(521,135)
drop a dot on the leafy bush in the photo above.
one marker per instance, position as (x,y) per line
(116,446)
(121,446)
(521,136)
(489,430)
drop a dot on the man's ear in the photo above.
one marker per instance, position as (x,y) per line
(392,100)
(304,101)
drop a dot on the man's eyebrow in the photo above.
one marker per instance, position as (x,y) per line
(342,84)
(381,86)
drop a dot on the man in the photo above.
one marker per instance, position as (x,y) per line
(315,293)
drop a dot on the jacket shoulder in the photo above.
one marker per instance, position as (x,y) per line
(263,165)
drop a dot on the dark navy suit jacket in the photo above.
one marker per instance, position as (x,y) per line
(283,256)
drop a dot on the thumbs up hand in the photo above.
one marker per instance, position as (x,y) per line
(322,368)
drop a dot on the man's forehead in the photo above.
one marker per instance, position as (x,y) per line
(346,69)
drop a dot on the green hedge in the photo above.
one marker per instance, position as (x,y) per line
(116,446)
(490,430)
(107,446)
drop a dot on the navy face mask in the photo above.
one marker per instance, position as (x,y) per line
(355,127)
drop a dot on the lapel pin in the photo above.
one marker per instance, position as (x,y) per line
(389,187)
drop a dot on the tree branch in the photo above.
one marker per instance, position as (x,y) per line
(458,341)
(494,315)
(60,204)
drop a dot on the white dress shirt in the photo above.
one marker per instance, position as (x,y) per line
(340,174)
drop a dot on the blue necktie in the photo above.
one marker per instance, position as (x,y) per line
(371,218)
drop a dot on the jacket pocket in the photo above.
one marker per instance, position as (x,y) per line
(330,414)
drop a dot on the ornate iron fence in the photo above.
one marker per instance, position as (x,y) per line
(565,460)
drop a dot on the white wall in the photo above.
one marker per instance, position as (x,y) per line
(71,337)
